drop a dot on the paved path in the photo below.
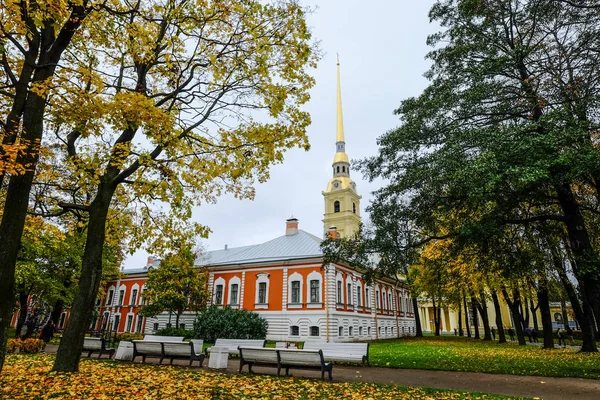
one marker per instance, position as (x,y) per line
(510,385)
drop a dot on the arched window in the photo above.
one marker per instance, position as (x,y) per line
(341,331)
(338,168)
(343,169)
(294,330)
(336,206)
(354,208)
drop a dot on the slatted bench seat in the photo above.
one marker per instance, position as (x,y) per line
(233,344)
(342,352)
(261,356)
(303,359)
(157,338)
(92,344)
(145,348)
(191,350)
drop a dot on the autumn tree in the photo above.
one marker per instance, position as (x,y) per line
(177,285)
(178,102)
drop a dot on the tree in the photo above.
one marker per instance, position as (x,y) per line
(506,129)
(179,102)
(176,286)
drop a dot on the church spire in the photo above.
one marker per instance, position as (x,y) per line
(340,118)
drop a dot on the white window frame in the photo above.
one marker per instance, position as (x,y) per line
(137,297)
(234,281)
(349,295)
(262,277)
(359,294)
(219,281)
(132,327)
(314,276)
(339,288)
(110,298)
(124,289)
(295,277)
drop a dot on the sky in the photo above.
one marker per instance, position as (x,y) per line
(382,48)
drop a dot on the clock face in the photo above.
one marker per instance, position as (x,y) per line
(336,185)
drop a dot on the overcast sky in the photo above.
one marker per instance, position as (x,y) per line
(381,44)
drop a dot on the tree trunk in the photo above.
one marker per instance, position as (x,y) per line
(475,319)
(534,319)
(466,316)
(515,307)
(436,322)
(499,324)
(419,331)
(524,304)
(177,320)
(544,305)
(69,351)
(565,316)
(460,326)
(57,310)
(482,307)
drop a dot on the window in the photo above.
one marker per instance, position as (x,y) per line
(379,331)
(341,331)
(116,323)
(367,298)
(233,298)
(262,292)
(383,300)
(294,330)
(339,292)
(314,291)
(140,322)
(105,321)
(349,294)
(129,323)
(121,297)
(377,298)
(219,294)
(296,292)
(369,331)
(354,208)
(360,331)
(338,168)
(314,331)
(390,305)
(358,297)
(134,293)
(336,206)
(350,331)
(155,326)
(109,298)
(63,317)
(343,169)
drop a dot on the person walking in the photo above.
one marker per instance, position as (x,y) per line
(570,335)
(511,334)
(561,337)
(528,333)
(47,333)
(493,333)
(534,335)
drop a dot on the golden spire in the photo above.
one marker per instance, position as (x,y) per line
(340,119)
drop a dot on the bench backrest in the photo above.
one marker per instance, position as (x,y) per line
(258,354)
(198,344)
(178,348)
(281,345)
(157,338)
(300,357)
(92,343)
(233,344)
(361,349)
(147,347)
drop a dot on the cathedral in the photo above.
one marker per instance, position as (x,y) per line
(283,279)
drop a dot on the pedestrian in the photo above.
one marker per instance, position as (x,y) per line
(560,332)
(534,335)
(528,333)
(47,333)
(570,335)
(493,333)
(511,334)
(455,332)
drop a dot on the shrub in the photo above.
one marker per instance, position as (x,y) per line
(188,334)
(31,345)
(128,336)
(229,323)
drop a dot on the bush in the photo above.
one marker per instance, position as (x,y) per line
(30,346)
(187,334)
(128,337)
(228,323)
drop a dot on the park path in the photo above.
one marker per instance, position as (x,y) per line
(547,388)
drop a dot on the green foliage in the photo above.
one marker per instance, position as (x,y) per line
(229,323)
(126,336)
(30,346)
(186,333)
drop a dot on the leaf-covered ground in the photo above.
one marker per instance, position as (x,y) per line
(461,354)
(30,377)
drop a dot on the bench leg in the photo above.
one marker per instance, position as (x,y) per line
(279,370)
(111,354)
(161,359)
(100,353)
(287,371)
(330,371)
(90,353)
(144,359)
(171,363)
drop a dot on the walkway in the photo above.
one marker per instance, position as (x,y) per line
(510,385)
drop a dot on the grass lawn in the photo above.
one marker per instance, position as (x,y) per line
(452,353)
(29,377)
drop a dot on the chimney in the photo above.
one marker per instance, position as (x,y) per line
(333,233)
(225,247)
(150,262)
(291,226)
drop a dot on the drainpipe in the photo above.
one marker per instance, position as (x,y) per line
(396,309)
(326,282)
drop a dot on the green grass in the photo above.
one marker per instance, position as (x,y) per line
(461,354)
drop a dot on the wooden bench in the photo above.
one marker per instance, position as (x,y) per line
(233,344)
(191,350)
(156,338)
(342,352)
(93,344)
(303,359)
(261,356)
(145,348)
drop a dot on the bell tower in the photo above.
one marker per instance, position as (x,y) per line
(342,202)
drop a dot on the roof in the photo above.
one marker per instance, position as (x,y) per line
(286,247)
